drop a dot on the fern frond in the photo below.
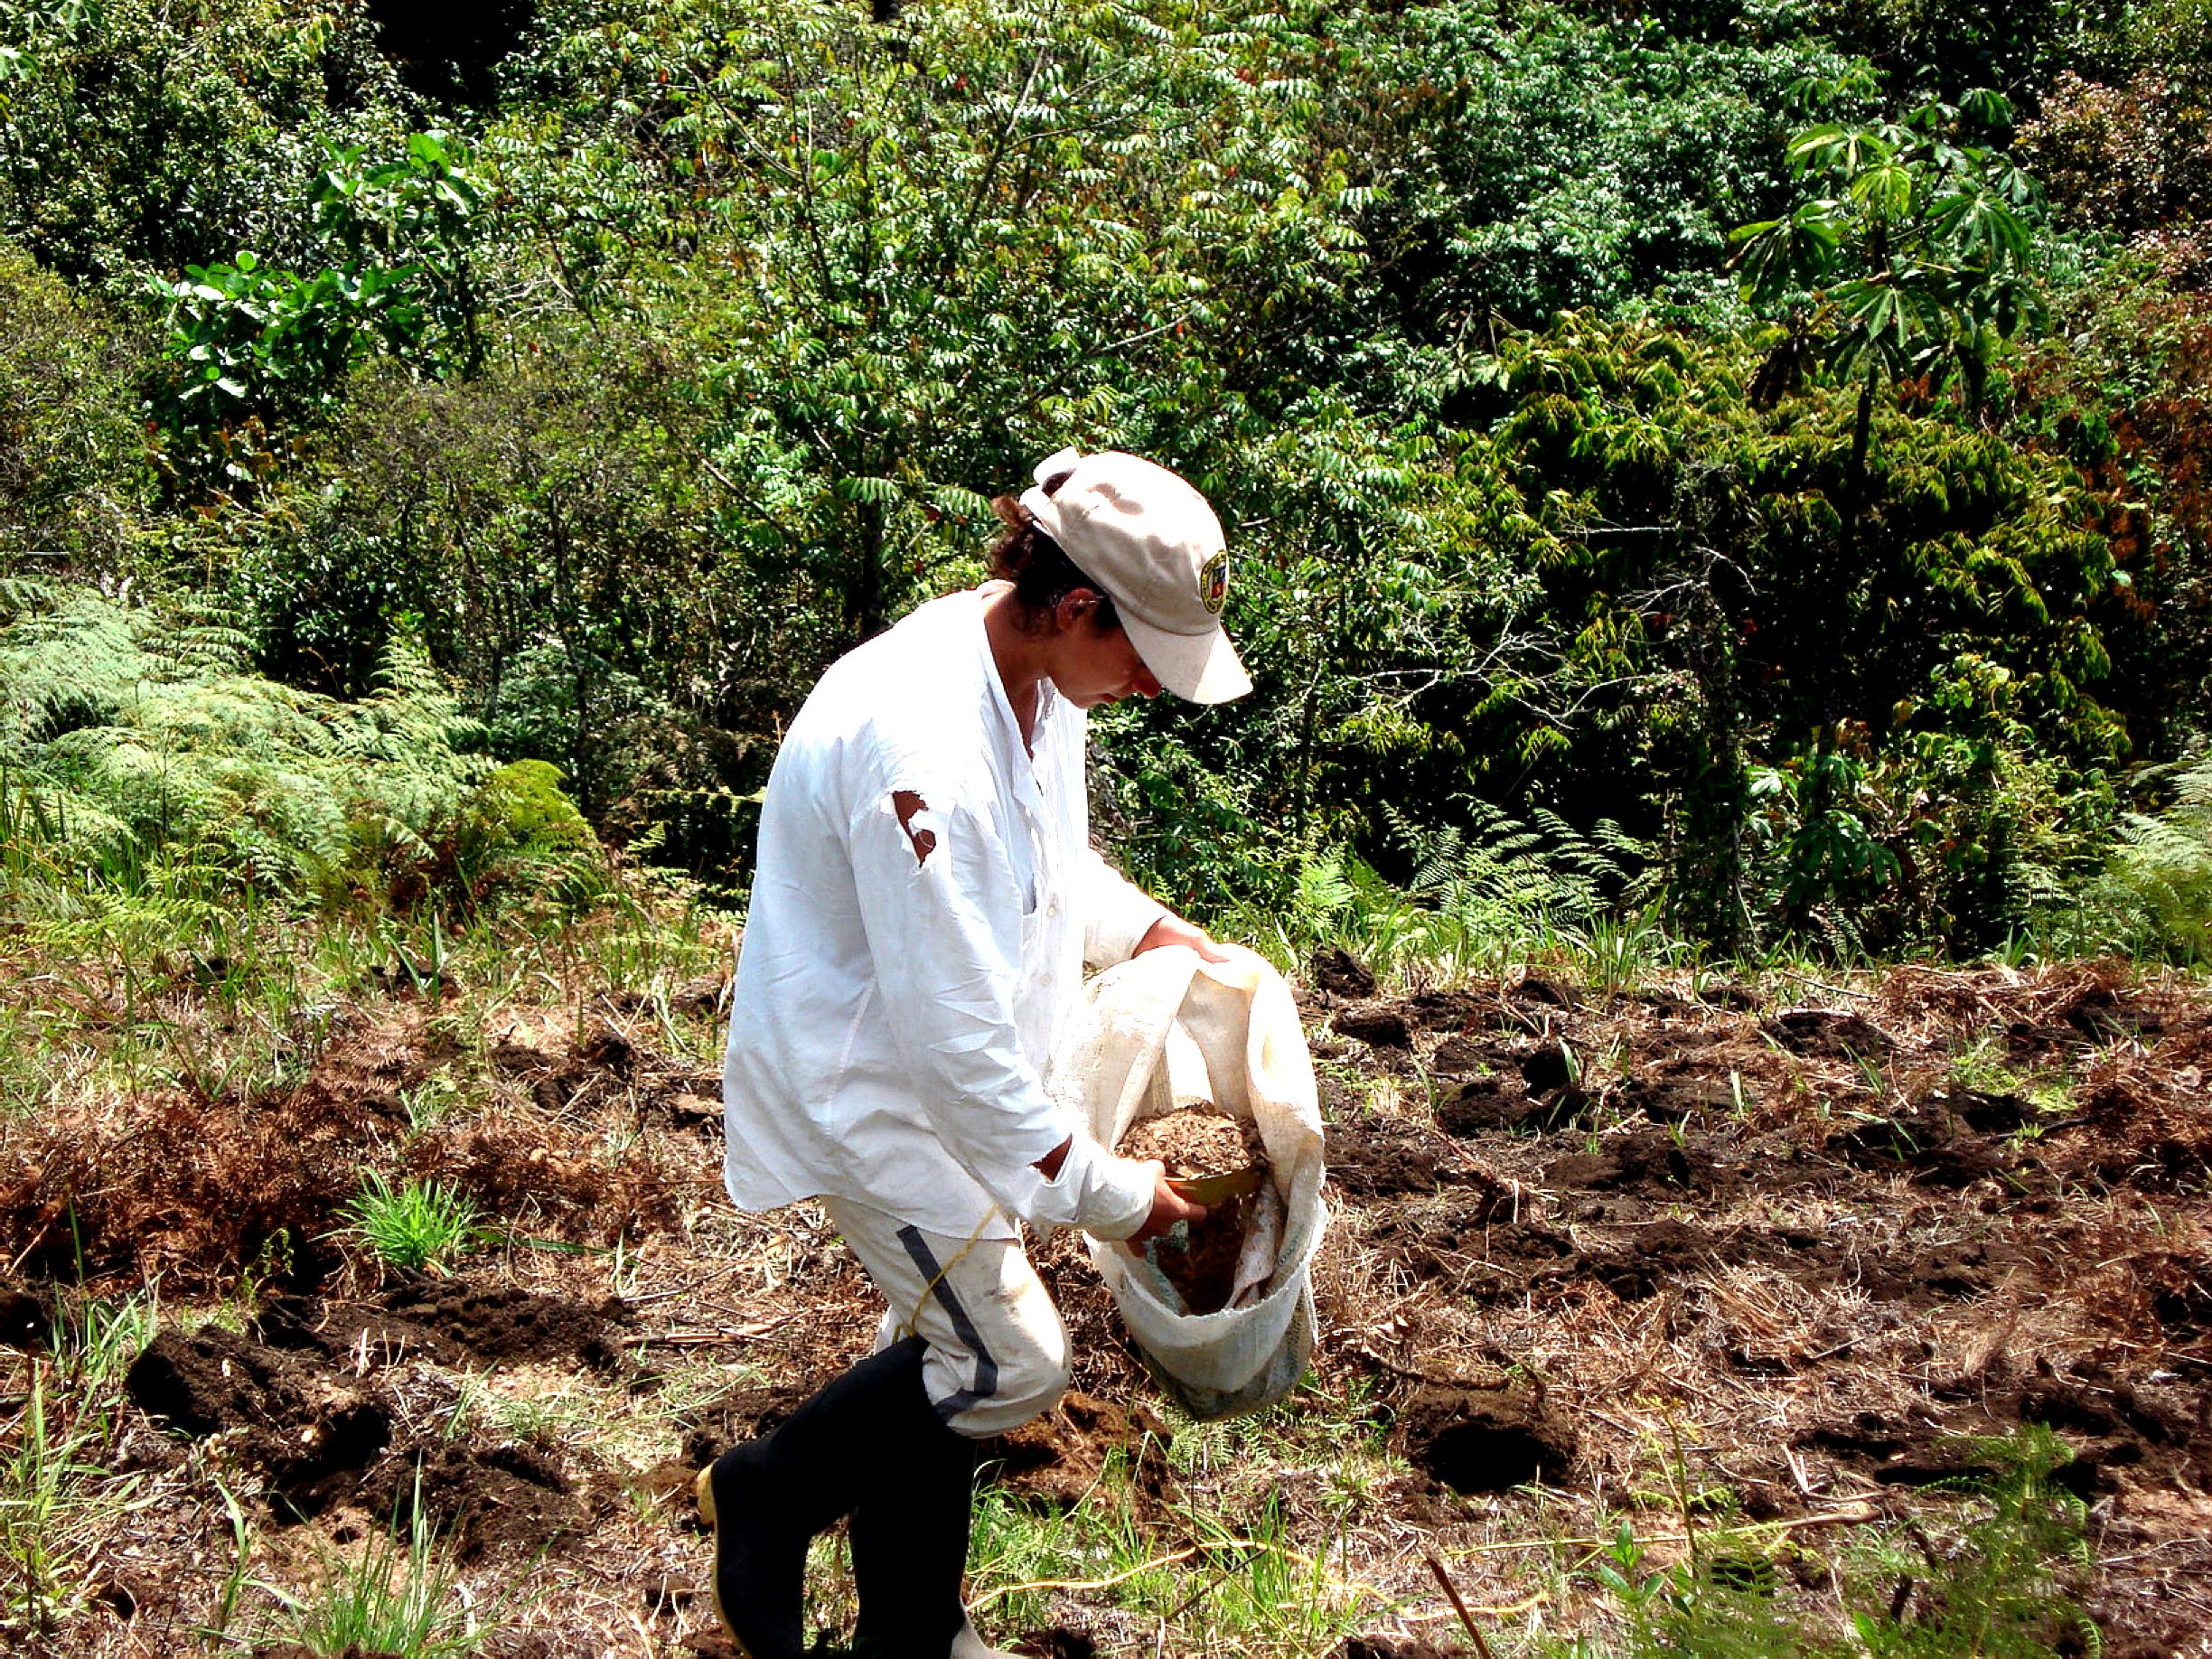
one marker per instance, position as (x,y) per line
(129,729)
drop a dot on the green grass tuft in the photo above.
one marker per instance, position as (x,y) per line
(419,1226)
(401,1596)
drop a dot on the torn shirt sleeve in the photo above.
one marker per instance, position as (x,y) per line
(940,904)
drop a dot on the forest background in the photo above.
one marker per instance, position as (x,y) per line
(1721,498)
(1737,471)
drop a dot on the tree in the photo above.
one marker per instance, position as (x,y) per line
(1907,258)
(139,132)
(74,484)
(252,346)
(1912,247)
(953,242)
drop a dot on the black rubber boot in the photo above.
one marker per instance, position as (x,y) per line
(910,1548)
(767,1498)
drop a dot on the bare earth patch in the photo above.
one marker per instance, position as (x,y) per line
(1797,1243)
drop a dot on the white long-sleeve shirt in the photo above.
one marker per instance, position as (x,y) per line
(893,1010)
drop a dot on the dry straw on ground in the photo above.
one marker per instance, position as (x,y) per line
(1591,1257)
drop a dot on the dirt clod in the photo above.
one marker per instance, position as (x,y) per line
(1661,1250)
(311,1435)
(1485,1105)
(1059,1459)
(1382,1159)
(451,1322)
(486,1500)
(1824,1034)
(504,1323)
(742,1414)
(1339,973)
(212,1379)
(1057,1643)
(1533,989)
(1460,1056)
(26,1317)
(1378,1025)
(1641,1160)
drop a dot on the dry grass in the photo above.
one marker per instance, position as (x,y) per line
(1749,1331)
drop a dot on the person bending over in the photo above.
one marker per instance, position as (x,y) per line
(924,899)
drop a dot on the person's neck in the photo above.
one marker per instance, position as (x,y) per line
(1019,656)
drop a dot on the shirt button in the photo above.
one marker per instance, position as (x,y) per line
(1052,910)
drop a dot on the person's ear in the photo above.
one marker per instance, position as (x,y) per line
(1075,608)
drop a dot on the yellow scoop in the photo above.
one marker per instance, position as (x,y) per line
(1211,1190)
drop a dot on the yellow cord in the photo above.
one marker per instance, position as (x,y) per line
(908,1327)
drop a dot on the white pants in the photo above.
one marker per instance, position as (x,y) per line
(998,1352)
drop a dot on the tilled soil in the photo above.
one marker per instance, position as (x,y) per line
(1819,1233)
(314,1397)
(1811,1235)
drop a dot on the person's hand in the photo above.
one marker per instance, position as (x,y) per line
(1168,1207)
(1173,930)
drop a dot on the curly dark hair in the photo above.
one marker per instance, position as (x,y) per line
(1042,573)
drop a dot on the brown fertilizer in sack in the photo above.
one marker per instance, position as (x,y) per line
(1199,1259)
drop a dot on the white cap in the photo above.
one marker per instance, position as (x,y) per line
(1150,539)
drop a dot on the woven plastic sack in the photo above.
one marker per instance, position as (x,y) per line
(1113,1064)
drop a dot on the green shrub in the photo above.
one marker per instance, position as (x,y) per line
(521,809)
(2154,898)
(1993,1593)
(125,730)
(73,477)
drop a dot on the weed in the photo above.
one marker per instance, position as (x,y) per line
(401,1596)
(1981,1069)
(235,1578)
(1019,1548)
(96,1339)
(419,1226)
(1872,1072)
(1263,1595)
(56,1503)
(1990,1592)
(2053,1097)
(539,1421)
(1616,954)
(431,1101)
(472,1402)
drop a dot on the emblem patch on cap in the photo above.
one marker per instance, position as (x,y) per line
(1214,582)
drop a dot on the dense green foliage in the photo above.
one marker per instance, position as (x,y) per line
(1703,426)
(137,743)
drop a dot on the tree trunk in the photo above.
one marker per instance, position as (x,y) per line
(1819,799)
(864,602)
(1301,800)
(1717,802)
(1854,481)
